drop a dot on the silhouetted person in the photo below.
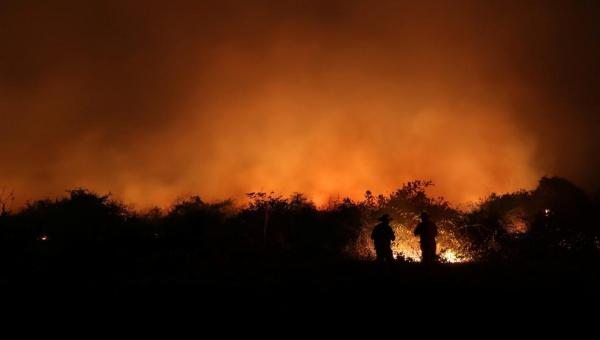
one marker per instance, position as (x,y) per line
(382,236)
(427,230)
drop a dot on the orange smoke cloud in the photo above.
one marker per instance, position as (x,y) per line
(326,98)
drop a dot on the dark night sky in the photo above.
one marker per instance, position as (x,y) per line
(153,99)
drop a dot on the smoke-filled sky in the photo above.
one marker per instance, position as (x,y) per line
(151,100)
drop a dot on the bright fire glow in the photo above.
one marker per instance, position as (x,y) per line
(406,246)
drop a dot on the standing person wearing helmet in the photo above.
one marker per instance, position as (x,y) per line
(427,230)
(382,236)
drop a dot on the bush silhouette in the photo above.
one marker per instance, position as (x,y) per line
(555,220)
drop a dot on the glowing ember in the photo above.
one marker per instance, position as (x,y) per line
(43,237)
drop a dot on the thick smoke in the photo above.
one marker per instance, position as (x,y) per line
(151,100)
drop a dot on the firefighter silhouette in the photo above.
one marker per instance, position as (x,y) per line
(427,231)
(382,236)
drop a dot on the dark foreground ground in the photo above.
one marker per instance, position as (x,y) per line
(294,289)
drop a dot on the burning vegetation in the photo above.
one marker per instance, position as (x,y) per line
(555,219)
(404,206)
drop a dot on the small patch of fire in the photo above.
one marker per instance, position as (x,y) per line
(450,256)
(409,254)
(42,237)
